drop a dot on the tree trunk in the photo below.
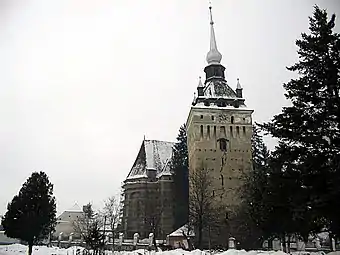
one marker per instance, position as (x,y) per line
(113,240)
(288,244)
(154,240)
(331,236)
(283,238)
(200,232)
(30,248)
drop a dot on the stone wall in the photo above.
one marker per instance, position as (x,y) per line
(219,139)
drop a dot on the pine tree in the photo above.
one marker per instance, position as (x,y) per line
(180,170)
(309,129)
(31,216)
(255,192)
(260,152)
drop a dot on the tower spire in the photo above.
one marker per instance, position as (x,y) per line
(213,56)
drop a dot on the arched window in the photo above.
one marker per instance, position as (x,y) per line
(223,144)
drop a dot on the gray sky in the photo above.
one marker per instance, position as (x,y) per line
(81,82)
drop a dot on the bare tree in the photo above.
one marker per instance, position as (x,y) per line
(88,226)
(112,213)
(202,211)
(153,218)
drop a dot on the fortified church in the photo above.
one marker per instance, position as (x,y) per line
(219,130)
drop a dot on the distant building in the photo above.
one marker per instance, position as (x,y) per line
(148,192)
(66,221)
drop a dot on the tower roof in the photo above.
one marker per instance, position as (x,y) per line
(213,56)
(153,155)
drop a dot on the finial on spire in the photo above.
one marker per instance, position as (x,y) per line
(211,19)
(213,56)
(200,84)
(238,84)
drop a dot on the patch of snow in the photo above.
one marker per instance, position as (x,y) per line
(19,249)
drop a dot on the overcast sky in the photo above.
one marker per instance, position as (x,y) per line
(81,82)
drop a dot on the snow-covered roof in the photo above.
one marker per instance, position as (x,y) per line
(218,94)
(218,88)
(179,232)
(153,155)
(74,208)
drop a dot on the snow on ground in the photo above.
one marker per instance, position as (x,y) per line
(18,249)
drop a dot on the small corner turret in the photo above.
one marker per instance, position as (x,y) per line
(238,89)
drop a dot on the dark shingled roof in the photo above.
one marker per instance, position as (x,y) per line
(154,155)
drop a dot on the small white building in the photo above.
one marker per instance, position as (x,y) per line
(66,222)
(178,238)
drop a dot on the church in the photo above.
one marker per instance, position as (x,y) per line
(219,130)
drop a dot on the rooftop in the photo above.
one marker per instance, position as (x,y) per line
(153,155)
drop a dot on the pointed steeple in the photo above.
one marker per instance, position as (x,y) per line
(213,56)
(200,84)
(200,88)
(238,89)
(238,86)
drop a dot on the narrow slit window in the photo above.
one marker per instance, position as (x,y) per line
(201,132)
(238,130)
(232,119)
(244,130)
(222,180)
(231,131)
(214,131)
(208,132)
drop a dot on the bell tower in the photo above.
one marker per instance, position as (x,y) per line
(219,130)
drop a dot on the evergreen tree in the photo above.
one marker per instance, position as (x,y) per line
(31,216)
(260,152)
(256,189)
(180,170)
(309,129)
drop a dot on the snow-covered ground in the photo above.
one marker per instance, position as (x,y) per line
(18,249)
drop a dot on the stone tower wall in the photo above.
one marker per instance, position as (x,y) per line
(206,127)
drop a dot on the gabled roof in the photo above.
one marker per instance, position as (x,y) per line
(153,155)
(179,231)
(74,208)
